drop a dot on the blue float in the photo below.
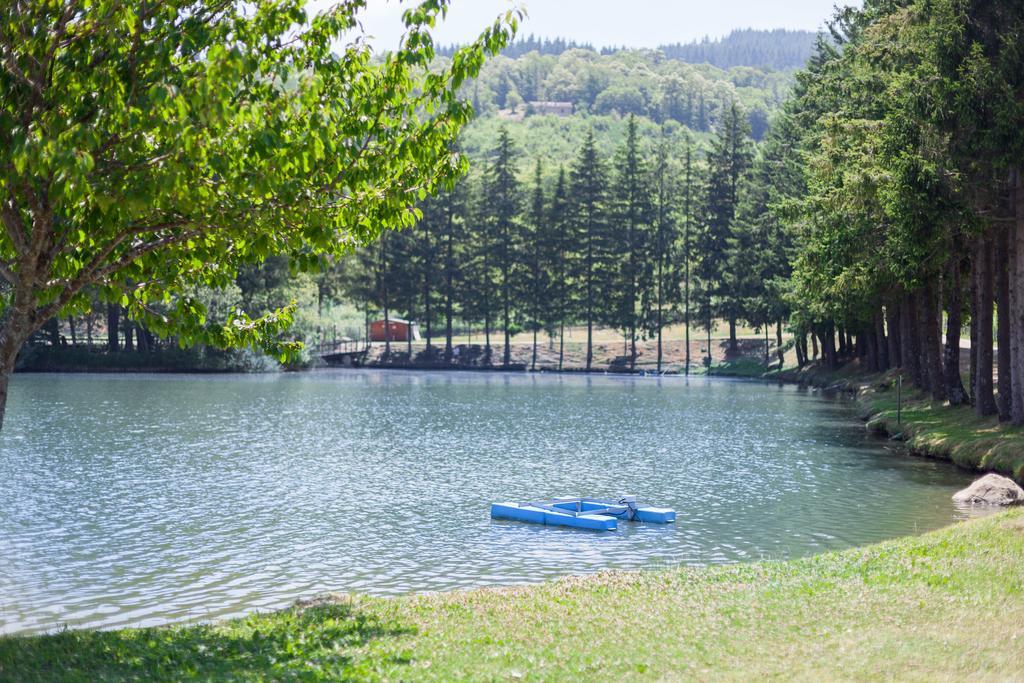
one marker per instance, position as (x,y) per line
(583,513)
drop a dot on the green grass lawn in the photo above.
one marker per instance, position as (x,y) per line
(947,605)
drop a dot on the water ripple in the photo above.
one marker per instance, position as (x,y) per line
(139,500)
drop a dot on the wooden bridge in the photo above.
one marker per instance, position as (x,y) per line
(346,353)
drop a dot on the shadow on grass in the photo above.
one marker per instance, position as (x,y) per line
(322,643)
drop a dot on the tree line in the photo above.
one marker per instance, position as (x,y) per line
(906,203)
(649,235)
(775,49)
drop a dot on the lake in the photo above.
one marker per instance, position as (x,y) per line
(146,499)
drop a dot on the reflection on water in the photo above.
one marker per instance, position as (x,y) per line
(137,500)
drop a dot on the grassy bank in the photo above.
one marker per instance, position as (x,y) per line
(929,428)
(939,431)
(945,605)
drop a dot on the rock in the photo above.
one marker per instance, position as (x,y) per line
(992,489)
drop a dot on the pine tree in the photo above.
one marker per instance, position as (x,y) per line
(559,242)
(728,162)
(632,216)
(588,197)
(452,255)
(536,279)
(689,201)
(666,199)
(478,267)
(503,206)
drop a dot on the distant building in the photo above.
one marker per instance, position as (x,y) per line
(545,107)
(400,330)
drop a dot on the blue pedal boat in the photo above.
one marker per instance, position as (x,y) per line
(583,513)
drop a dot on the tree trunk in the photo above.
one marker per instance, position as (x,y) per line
(449,293)
(142,339)
(932,355)
(71,329)
(778,343)
(632,349)
(973,375)
(892,323)
(1002,264)
(129,334)
(733,344)
(487,335)
(814,345)
(533,363)
(1016,259)
(561,344)
(113,323)
(951,355)
(828,347)
(686,334)
(506,359)
(16,331)
(984,399)
(799,347)
(910,349)
(882,346)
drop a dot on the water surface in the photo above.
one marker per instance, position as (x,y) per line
(142,499)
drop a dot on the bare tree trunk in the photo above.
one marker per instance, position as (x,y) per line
(129,333)
(984,400)
(561,344)
(533,363)
(1017,300)
(141,339)
(909,343)
(881,345)
(951,358)
(778,343)
(449,291)
(814,345)
(113,322)
(930,340)
(892,323)
(1003,343)
(973,378)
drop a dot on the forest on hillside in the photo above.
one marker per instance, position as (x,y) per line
(774,49)
(639,82)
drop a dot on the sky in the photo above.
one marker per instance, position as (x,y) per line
(629,23)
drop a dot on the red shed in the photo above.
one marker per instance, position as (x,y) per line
(400,330)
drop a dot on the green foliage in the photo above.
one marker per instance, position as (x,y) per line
(158,146)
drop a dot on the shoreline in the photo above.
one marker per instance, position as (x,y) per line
(927,604)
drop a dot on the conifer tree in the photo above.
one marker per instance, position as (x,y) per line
(728,162)
(632,218)
(452,248)
(559,242)
(536,279)
(666,199)
(504,208)
(689,206)
(478,269)
(588,208)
